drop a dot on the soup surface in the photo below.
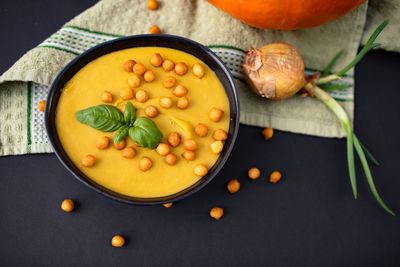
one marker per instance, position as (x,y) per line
(111,169)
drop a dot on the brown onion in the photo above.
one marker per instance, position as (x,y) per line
(274,71)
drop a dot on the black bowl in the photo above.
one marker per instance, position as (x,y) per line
(169,41)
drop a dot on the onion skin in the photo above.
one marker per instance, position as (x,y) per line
(274,71)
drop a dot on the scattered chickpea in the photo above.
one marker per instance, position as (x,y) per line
(200,169)
(129,152)
(88,161)
(216,147)
(220,135)
(174,139)
(152,4)
(149,76)
(182,102)
(217,213)
(215,114)
(103,142)
(139,69)
(201,129)
(190,144)
(117,241)
(128,65)
(180,68)
(126,93)
(233,186)
(168,65)
(254,173)
(169,82)
(42,105)
(145,163)
(198,70)
(67,205)
(122,108)
(180,91)
(154,30)
(106,97)
(163,149)
(151,111)
(165,102)
(275,177)
(268,133)
(121,145)
(170,159)
(189,155)
(142,96)
(134,81)
(168,205)
(156,60)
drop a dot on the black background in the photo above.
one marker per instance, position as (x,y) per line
(308,219)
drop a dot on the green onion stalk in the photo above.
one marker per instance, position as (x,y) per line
(317,88)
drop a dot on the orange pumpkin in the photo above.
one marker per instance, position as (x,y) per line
(286,14)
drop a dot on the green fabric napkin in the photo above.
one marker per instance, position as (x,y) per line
(27,81)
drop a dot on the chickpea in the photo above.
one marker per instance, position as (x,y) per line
(180,91)
(275,177)
(182,102)
(151,111)
(134,81)
(217,213)
(106,97)
(88,161)
(254,173)
(201,130)
(168,65)
(165,102)
(198,70)
(152,4)
(170,159)
(156,60)
(233,186)
(217,147)
(268,133)
(168,205)
(220,135)
(149,76)
(126,93)
(163,149)
(174,139)
(121,145)
(129,152)
(122,108)
(67,205)
(145,163)
(142,96)
(189,155)
(154,30)
(215,114)
(200,169)
(103,142)
(128,65)
(42,105)
(190,144)
(180,68)
(139,69)
(169,82)
(117,241)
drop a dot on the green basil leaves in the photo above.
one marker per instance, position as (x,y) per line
(108,118)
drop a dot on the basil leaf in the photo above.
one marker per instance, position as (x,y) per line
(121,134)
(145,132)
(129,114)
(105,118)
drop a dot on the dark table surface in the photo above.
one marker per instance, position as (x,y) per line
(308,219)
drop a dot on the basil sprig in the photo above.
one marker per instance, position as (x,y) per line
(108,118)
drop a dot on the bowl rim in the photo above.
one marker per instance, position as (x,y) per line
(203,181)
